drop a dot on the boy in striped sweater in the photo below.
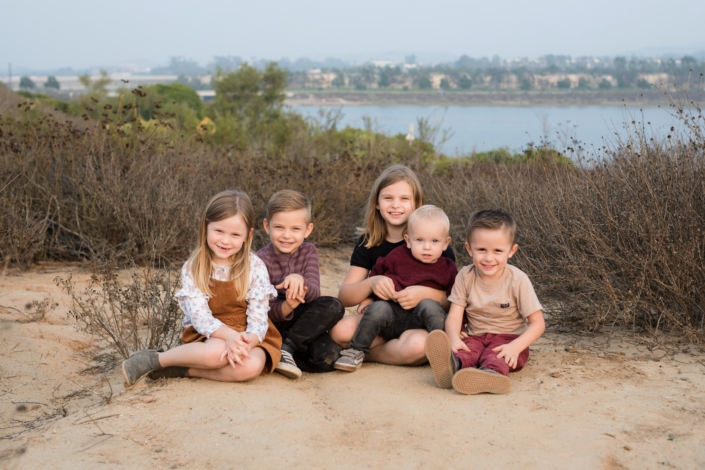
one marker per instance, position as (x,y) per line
(299,312)
(418,263)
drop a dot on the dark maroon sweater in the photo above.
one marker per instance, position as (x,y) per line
(405,270)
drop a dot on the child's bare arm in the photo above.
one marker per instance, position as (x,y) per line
(510,352)
(357,287)
(454,323)
(364,304)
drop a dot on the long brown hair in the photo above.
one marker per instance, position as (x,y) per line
(375,227)
(222,206)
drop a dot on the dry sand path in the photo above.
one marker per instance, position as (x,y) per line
(582,402)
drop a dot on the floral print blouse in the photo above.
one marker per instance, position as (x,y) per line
(194,303)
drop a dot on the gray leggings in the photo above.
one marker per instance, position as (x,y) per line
(389,320)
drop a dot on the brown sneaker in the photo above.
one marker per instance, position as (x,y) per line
(139,364)
(172,372)
(472,381)
(440,355)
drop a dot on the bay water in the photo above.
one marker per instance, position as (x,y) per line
(482,128)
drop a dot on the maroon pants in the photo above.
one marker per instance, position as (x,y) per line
(481,354)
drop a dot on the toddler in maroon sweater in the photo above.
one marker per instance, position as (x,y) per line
(418,263)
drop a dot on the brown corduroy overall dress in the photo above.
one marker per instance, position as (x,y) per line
(226,308)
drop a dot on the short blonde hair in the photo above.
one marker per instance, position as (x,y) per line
(492,219)
(375,227)
(288,200)
(429,213)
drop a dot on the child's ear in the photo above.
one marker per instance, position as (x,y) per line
(467,248)
(406,238)
(266,225)
(309,229)
(445,247)
(513,250)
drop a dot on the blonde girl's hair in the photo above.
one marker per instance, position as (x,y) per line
(375,227)
(222,206)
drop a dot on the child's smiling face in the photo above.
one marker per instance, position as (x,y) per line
(226,237)
(287,230)
(396,203)
(490,250)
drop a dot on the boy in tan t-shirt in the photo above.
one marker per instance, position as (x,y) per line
(498,301)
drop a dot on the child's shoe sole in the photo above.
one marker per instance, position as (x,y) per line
(472,381)
(347,367)
(438,353)
(288,371)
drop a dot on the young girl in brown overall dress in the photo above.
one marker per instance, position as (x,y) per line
(225,299)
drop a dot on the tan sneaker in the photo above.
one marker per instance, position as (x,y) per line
(472,381)
(440,355)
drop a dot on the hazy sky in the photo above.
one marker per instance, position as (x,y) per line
(81,33)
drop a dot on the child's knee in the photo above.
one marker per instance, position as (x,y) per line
(413,348)
(431,305)
(433,315)
(379,312)
(212,358)
(250,369)
(333,307)
(344,330)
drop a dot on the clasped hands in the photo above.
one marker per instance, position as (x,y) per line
(238,346)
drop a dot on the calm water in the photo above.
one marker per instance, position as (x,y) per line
(483,128)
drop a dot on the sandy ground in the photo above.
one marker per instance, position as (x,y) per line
(582,402)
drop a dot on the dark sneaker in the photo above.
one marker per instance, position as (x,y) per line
(350,360)
(139,364)
(172,372)
(472,381)
(287,366)
(443,361)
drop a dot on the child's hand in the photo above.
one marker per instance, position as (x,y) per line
(409,297)
(509,352)
(363,305)
(457,344)
(383,287)
(294,285)
(295,302)
(237,347)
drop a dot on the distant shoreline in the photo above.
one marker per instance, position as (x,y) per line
(478,98)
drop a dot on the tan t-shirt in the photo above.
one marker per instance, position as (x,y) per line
(498,307)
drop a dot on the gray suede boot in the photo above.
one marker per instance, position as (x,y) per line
(139,364)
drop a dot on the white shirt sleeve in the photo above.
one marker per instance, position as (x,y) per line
(194,304)
(259,294)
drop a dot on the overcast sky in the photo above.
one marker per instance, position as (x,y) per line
(42,34)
